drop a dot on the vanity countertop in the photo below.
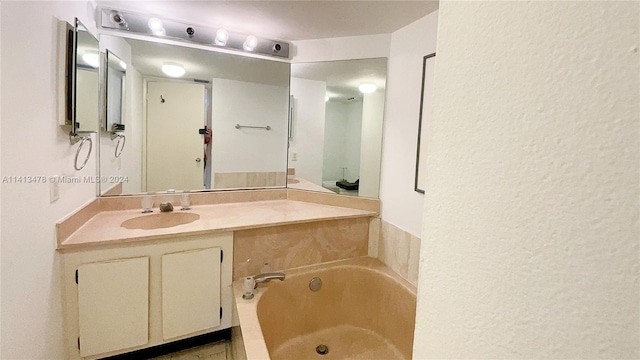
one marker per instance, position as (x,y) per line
(105,227)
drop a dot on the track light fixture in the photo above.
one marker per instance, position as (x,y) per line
(141,24)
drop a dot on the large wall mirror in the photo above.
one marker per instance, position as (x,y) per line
(336,137)
(197,119)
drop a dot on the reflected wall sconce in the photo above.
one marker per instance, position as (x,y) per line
(139,24)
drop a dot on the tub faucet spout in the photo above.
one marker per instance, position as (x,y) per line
(266,277)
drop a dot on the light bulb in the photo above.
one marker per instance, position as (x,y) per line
(222,36)
(367,88)
(173,70)
(251,43)
(156,27)
(92,59)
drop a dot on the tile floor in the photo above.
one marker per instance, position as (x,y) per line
(215,351)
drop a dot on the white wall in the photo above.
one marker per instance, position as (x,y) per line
(132,153)
(308,128)
(245,103)
(371,150)
(342,48)
(342,134)
(353,141)
(33,144)
(400,204)
(1,174)
(531,224)
(334,144)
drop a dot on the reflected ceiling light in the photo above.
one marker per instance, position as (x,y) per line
(156,27)
(326,98)
(222,36)
(367,88)
(173,70)
(123,65)
(251,43)
(92,59)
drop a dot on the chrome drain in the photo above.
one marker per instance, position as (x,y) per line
(322,349)
(315,284)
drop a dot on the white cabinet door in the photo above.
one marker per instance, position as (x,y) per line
(113,300)
(190,292)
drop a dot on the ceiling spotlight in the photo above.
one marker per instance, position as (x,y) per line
(367,88)
(123,65)
(326,98)
(91,59)
(156,26)
(251,43)
(191,32)
(173,70)
(222,36)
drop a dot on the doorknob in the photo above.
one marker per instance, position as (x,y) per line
(198,160)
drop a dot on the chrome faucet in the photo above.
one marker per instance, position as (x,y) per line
(266,277)
(166,207)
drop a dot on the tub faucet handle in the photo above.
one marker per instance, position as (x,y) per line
(262,278)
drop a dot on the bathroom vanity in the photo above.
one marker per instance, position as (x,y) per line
(133,281)
(130,296)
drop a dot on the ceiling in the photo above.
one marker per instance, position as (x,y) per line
(344,77)
(283,20)
(289,20)
(148,57)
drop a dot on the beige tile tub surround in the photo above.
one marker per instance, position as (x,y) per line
(400,251)
(74,221)
(364,310)
(290,246)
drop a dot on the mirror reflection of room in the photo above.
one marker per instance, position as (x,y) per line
(183,107)
(336,139)
(86,81)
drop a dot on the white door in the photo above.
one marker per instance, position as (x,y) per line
(113,305)
(190,292)
(175,149)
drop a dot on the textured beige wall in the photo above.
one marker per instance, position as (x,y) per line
(530,231)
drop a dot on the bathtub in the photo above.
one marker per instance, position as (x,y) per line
(362,311)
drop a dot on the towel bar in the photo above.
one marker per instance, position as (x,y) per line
(238,126)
